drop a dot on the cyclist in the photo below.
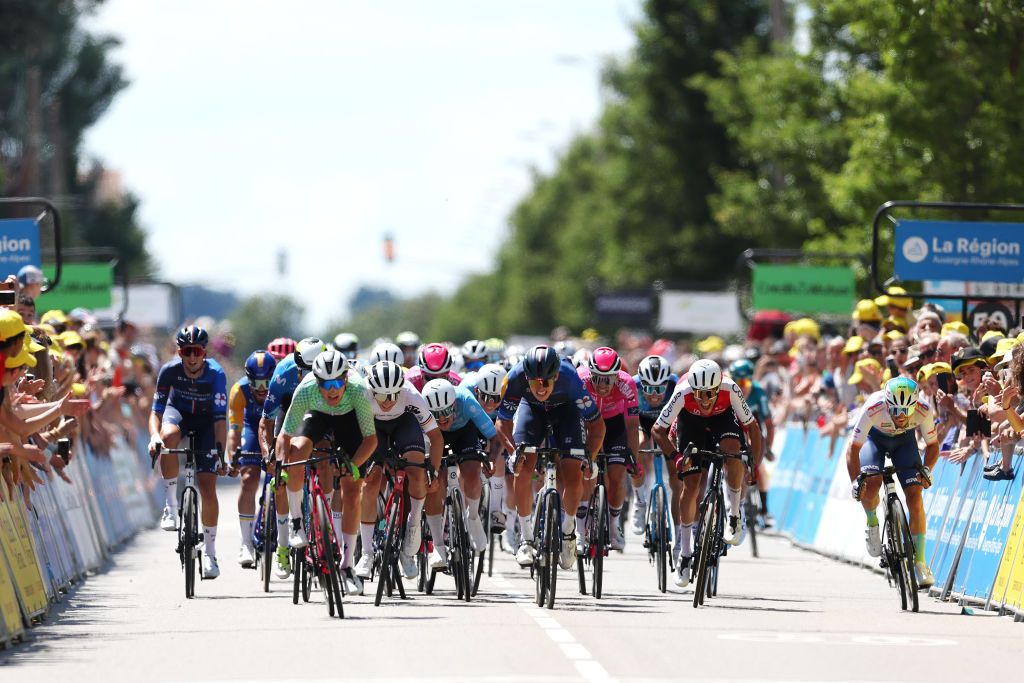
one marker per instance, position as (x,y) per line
(656,381)
(465,426)
(544,391)
(328,401)
(348,344)
(386,351)
(742,372)
(289,372)
(497,350)
(887,423)
(409,343)
(402,418)
(281,347)
(487,386)
(614,391)
(710,411)
(474,355)
(432,362)
(191,396)
(245,408)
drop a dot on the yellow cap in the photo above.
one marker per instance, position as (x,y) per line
(23,358)
(867,311)
(70,338)
(933,369)
(11,324)
(893,299)
(32,344)
(853,344)
(78,390)
(54,315)
(893,335)
(863,363)
(806,327)
(712,344)
(590,334)
(992,333)
(892,323)
(956,326)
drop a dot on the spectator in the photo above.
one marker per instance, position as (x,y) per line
(31,280)
(26,308)
(867,377)
(867,319)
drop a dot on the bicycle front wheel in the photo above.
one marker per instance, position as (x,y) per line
(552,543)
(189,539)
(660,540)
(327,555)
(462,555)
(705,547)
(907,556)
(751,510)
(268,520)
(598,533)
(388,557)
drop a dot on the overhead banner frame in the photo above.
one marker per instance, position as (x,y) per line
(48,208)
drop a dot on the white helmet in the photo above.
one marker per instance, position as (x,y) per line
(654,370)
(439,394)
(490,378)
(330,364)
(408,339)
(386,351)
(705,375)
(566,349)
(307,350)
(358,364)
(474,349)
(385,377)
(347,343)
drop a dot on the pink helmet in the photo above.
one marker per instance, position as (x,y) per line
(434,359)
(281,347)
(605,362)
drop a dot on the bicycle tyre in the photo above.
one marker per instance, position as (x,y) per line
(327,556)
(462,554)
(751,511)
(598,539)
(387,558)
(538,569)
(190,539)
(660,538)
(553,534)
(705,542)
(893,563)
(906,545)
(307,578)
(294,555)
(269,534)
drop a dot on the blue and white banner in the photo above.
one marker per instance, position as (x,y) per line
(19,245)
(961,251)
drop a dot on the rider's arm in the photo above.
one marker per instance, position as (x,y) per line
(266,432)
(368,428)
(436,447)
(163,390)
(595,435)
(236,415)
(633,435)
(861,427)
(931,437)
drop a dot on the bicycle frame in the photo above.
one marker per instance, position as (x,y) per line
(658,533)
(898,550)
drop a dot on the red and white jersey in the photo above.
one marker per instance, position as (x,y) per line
(730,397)
(874,414)
(622,399)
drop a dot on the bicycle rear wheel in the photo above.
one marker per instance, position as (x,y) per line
(598,538)
(268,520)
(189,539)
(552,542)
(388,557)
(658,513)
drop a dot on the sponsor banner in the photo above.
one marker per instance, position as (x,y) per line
(804,289)
(19,245)
(627,307)
(956,522)
(1008,587)
(17,547)
(700,313)
(85,285)
(961,251)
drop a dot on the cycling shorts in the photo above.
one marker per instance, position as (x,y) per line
(202,427)
(530,426)
(616,447)
(250,444)
(647,424)
(401,435)
(343,429)
(903,452)
(707,433)
(465,442)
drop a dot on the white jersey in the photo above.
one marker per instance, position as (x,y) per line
(875,414)
(730,397)
(409,401)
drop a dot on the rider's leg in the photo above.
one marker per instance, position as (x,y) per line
(469,474)
(170,434)
(918,520)
(586,492)
(368,508)
(690,490)
(351,495)
(571,477)
(250,484)
(734,476)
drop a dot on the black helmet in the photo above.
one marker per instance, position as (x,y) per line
(541,362)
(192,336)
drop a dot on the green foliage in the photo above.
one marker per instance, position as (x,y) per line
(388,319)
(259,319)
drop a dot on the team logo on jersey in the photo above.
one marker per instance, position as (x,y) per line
(220,400)
(584,403)
(280,379)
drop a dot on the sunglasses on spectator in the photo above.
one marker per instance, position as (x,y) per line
(654,388)
(489,398)
(259,384)
(330,384)
(541,382)
(190,351)
(385,398)
(602,380)
(443,413)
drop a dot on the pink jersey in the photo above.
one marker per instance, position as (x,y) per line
(621,400)
(415,377)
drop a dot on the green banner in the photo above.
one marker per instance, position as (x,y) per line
(804,289)
(85,285)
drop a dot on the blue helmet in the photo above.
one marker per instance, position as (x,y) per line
(742,369)
(260,365)
(192,335)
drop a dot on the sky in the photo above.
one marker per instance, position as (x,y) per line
(319,126)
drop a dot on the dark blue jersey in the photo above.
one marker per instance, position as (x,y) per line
(569,388)
(205,395)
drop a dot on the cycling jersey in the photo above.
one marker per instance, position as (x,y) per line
(307,399)
(244,411)
(621,400)
(646,410)
(874,415)
(468,409)
(415,377)
(568,389)
(730,397)
(205,396)
(282,385)
(409,401)
(470,381)
(757,399)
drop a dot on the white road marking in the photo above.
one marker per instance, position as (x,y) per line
(834,639)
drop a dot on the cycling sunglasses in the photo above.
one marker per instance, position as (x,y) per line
(259,384)
(489,398)
(541,382)
(330,384)
(444,413)
(188,351)
(603,380)
(901,411)
(654,388)
(384,398)
(705,396)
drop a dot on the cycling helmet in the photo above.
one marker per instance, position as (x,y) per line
(901,396)
(358,364)
(385,377)
(654,370)
(474,349)
(347,343)
(439,395)
(582,357)
(742,369)
(386,351)
(192,335)
(566,349)
(605,362)
(260,365)
(307,350)
(511,361)
(281,347)
(705,375)
(541,362)
(330,364)
(407,339)
(434,359)
(490,378)
(495,349)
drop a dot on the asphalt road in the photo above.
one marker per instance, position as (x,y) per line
(790,615)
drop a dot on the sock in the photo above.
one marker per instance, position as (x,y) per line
(350,547)
(918,547)
(582,510)
(282,531)
(615,514)
(413,532)
(732,499)
(497,500)
(526,527)
(366,533)
(171,493)
(640,493)
(210,541)
(568,524)
(436,524)
(336,523)
(295,504)
(686,540)
(246,523)
(872,516)
(472,508)
(764,502)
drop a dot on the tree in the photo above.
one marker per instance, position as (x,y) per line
(259,319)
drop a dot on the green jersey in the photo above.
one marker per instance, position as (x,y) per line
(307,399)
